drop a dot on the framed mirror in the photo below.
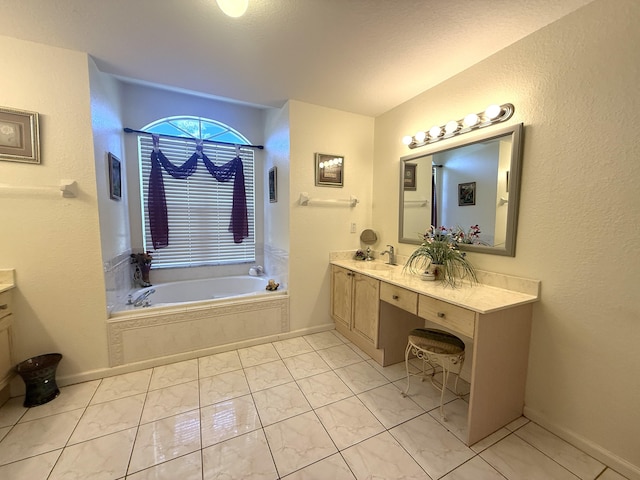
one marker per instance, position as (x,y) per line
(469,184)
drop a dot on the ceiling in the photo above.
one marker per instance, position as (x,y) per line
(360,56)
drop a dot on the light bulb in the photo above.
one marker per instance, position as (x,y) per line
(233,8)
(471,120)
(407,139)
(451,127)
(492,111)
(434,132)
(420,136)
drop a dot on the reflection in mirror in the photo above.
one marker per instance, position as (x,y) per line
(463,184)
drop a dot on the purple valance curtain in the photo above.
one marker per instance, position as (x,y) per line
(157,204)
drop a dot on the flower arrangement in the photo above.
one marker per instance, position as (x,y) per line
(142,263)
(471,236)
(144,258)
(439,247)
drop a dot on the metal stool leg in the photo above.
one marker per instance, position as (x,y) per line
(445,378)
(406,366)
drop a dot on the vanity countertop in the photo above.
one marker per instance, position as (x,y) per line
(7,280)
(495,292)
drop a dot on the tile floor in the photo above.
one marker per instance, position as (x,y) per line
(312,407)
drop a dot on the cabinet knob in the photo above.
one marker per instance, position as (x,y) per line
(441,314)
(4,306)
(395,297)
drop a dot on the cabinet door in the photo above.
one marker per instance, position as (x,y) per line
(341,295)
(366,304)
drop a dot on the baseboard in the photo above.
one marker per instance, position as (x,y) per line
(610,459)
(62,381)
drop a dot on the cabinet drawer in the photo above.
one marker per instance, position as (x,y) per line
(451,316)
(5,304)
(400,297)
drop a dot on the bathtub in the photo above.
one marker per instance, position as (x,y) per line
(190,291)
(195,315)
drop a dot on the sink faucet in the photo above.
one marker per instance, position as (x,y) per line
(138,302)
(392,254)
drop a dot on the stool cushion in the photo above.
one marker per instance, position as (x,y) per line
(436,341)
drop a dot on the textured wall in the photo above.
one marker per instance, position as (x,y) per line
(53,242)
(317,230)
(574,85)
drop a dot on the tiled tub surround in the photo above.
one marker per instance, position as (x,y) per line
(160,332)
(118,278)
(276,264)
(494,323)
(310,407)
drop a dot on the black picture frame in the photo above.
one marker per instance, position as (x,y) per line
(273,184)
(329,170)
(410,176)
(115,177)
(466,194)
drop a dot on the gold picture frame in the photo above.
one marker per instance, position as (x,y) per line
(19,136)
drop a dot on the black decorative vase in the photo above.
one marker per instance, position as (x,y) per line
(39,375)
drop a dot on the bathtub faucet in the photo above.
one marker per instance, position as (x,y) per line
(138,302)
(256,271)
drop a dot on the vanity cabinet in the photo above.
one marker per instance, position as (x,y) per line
(461,320)
(6,362)
(376,308)
(354,306)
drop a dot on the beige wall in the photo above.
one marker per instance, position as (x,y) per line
(575,86)
(277,154)
(53,242)
(317,230)
(106,120)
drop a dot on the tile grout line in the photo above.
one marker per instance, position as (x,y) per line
(333,369)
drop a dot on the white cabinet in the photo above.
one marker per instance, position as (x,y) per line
(355,307)
(6,358)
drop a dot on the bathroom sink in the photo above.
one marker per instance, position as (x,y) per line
(376,266)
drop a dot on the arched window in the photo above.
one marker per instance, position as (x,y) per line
(198,207)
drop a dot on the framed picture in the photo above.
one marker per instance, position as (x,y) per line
(329,170)
(273,184)
(466,194)
(410,176)
(19,136)
(115,177)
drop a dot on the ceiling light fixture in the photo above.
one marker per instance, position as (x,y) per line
(473,121)
(233,8)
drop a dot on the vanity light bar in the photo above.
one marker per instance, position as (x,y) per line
(492,115)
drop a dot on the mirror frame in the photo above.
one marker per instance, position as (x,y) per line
(516,132)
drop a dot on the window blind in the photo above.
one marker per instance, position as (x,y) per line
(199,207)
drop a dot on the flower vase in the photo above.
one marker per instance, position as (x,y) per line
(144,272)
(435,271)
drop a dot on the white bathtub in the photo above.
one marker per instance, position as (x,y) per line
(189,291)
(195,315)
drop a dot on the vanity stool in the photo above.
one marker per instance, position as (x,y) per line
(435,348)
